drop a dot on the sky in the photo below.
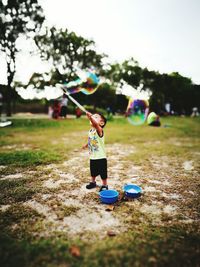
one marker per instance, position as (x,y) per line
(162,35)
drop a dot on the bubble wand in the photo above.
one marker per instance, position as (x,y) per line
(87,85)
(73,100)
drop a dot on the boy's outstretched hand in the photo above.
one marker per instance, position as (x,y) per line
(85,146)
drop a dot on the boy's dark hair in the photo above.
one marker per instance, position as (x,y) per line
(104,119)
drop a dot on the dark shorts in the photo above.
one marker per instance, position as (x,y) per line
(98,167)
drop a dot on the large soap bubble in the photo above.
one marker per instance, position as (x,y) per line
(137,111)
(87,84)
(73,87)
(91,84)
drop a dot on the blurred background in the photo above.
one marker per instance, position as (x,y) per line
(150,45)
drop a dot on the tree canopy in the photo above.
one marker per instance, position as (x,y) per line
(66,51)
(17,18)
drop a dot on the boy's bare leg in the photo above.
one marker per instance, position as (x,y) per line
(104,181)
(104,185)
(93,179)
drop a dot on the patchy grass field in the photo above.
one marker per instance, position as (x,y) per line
(48,218)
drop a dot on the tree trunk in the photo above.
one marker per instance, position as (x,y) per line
(9,101)
(14,106)
(10,73)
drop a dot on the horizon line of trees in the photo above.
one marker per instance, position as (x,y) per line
(66,51)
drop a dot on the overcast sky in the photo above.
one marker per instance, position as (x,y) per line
(163,35)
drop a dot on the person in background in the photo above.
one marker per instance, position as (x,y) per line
(153,119)
(1,103)
(78,112)
(63,104)
(50,111)
(195,112)
(56,109)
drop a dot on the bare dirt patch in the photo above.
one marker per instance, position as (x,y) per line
(4,207)
(13,176)
(188,165)
(69,180)
(16,147)
(69,207)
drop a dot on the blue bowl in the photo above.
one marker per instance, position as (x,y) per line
(132,190)
(108,196)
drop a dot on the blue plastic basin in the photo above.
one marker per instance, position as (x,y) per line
(108,196)
(132,190)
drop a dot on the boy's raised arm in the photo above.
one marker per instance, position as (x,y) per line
(94,123)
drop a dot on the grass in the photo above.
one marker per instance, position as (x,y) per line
(27,158)
(15,191)
(27,238)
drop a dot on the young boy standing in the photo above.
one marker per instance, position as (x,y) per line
(98,161)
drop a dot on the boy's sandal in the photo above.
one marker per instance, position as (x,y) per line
(91,185)
(103,187)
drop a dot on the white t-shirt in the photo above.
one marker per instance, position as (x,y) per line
(96,145)
(64,102)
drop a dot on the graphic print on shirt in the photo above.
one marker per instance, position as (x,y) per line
(93,143)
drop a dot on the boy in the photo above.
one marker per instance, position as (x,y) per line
(98,161)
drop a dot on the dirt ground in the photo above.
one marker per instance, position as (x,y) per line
(71,208)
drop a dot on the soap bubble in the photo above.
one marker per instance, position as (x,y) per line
(137,111)
(87,84)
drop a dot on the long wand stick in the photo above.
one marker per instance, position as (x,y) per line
(74,101)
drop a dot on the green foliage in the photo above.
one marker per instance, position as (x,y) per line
(38,80)
(131,72)
(69,51)
(103,98)
(17,18)
(175,89)
(172,88)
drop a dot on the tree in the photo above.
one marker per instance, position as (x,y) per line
(112,72)
(67,51)
(104,97)
(129,72)
(180,92)
(170,88)
(17,18)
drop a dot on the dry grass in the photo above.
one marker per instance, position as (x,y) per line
(44,200)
